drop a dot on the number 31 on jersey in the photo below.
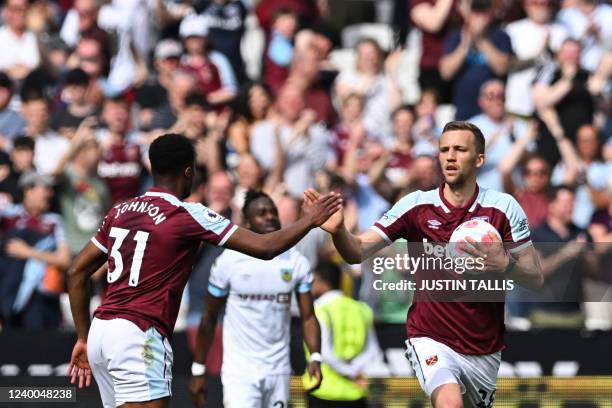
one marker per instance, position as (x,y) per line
(120,234)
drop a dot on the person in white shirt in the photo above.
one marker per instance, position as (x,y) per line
(20,53)
(256,325)
(532,38)
(589,22)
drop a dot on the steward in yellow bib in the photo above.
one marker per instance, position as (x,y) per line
(348,343)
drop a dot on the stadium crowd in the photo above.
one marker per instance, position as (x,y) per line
(282,95)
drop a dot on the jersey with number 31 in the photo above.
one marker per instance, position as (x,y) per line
(151,242)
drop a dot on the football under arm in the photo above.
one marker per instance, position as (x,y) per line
(86,263)
(527,270)
(356,248)
(206,329)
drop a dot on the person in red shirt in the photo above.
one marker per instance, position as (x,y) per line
(150,243)
(454,347)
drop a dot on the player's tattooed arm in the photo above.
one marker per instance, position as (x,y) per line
(267,246)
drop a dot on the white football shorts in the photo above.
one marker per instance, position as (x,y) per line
(129,365)
(436,364)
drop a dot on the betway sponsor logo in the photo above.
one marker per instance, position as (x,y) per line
(115,169)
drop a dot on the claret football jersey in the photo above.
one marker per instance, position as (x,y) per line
(426,216)
(151,242)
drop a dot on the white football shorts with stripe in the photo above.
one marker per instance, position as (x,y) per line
(129,365)
(436,364)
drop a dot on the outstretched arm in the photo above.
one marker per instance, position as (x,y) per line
(353,248)
(267,246)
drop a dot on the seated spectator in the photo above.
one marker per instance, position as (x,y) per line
(154,92)
(533,38)
(20,53)
(226,19)
(375,80)
(588,21)
(562,86)
(590,177)
(478,52)
(254,106)
(279,50)
(66,119)
(34,254)
(436,19)
(499,129)
(121,163)
(213,73)
(11,122)
(49,145)
(83,196)
(304,143)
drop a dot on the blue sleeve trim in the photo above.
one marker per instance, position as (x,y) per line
(216,291)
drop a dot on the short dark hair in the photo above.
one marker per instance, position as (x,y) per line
(553,192)
(169,154)
(329,272)
(23,143)
(403,108)
(77,77)
(32,94)
(481,5)
(197,98)
(6,82)
(250,197)
(461,125)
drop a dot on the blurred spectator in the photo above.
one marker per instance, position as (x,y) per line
(351,129)
(562,86)
(304,143)
(500,131)
(34,253)
(211,69)
(478,52)
(588,21)
(279,50)
(536,179)
(306,12)
(436,19)
(66,119)
(154,92)
(57,53)
(254,106)
(49,145)
(121,161)
(226,21)
(20,53)
(590,178)
(180,83)
(348,343)
(89,55)
(425,128)
(21,160)
(83,196)
(11,122)
(375,80)
(561,265)
(533,38)
(82,21)
(305,73)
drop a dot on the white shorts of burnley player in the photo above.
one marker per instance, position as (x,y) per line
(454,347)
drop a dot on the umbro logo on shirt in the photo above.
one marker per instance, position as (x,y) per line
(434,224)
